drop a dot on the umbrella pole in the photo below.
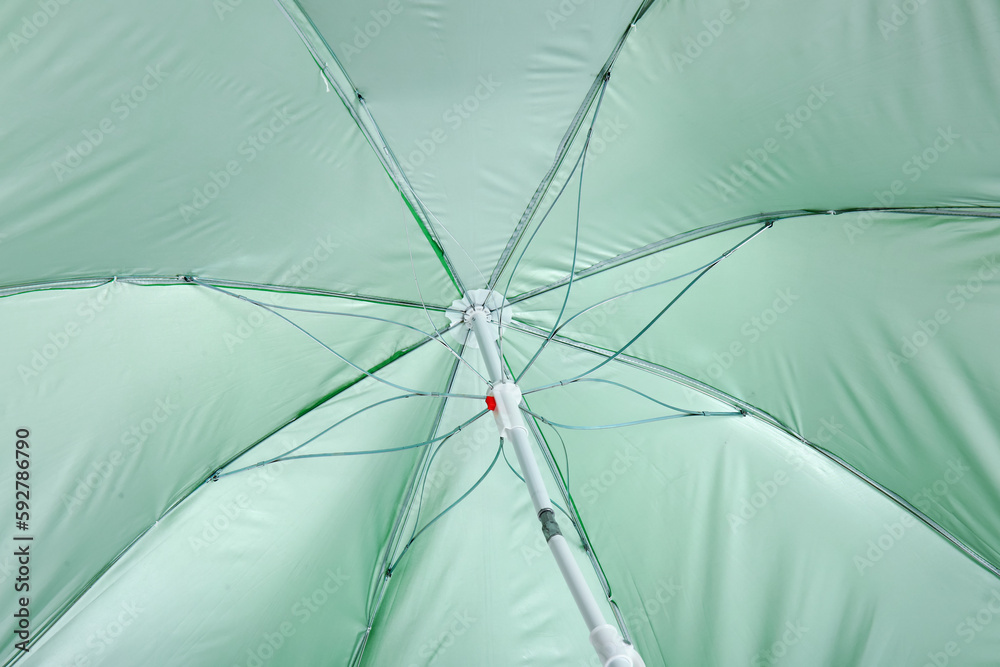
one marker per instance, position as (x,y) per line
(610,647)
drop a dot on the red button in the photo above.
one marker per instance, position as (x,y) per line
(491,403)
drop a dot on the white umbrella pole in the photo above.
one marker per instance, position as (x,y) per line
(610,647)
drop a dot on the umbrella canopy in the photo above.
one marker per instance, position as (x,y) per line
(743,258)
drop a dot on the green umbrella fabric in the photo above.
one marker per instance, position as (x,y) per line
(751,254)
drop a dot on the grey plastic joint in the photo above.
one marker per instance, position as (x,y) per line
(550,527)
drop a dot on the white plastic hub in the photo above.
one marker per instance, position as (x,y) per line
(478,300)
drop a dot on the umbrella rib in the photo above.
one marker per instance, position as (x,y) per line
(364,452)
(435,336)
(653,321)
(392,541)
(82,282)
(704,268)
(582,163)
(287,456)
(420,495)
(334,352)
(383,152)
(565,449)
(632,291)
(98,281)
(322,401)
(617,384)
(427,212)
(422,483)
(413,271)
(450,507)
(684,380)
(744,221)
(603,427)
(564,146)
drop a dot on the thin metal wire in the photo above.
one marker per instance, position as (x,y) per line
(602,427)
(323,455)
(448,509)
(361,452)
(579,161)
(532,238)
(576,237)
(565,454)
(425,473)
(423,304)
(334,352)
(431,218)
(435,336)
(653,321)
(623,386)
(633,291)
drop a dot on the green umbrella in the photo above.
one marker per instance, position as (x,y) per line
(295,296)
